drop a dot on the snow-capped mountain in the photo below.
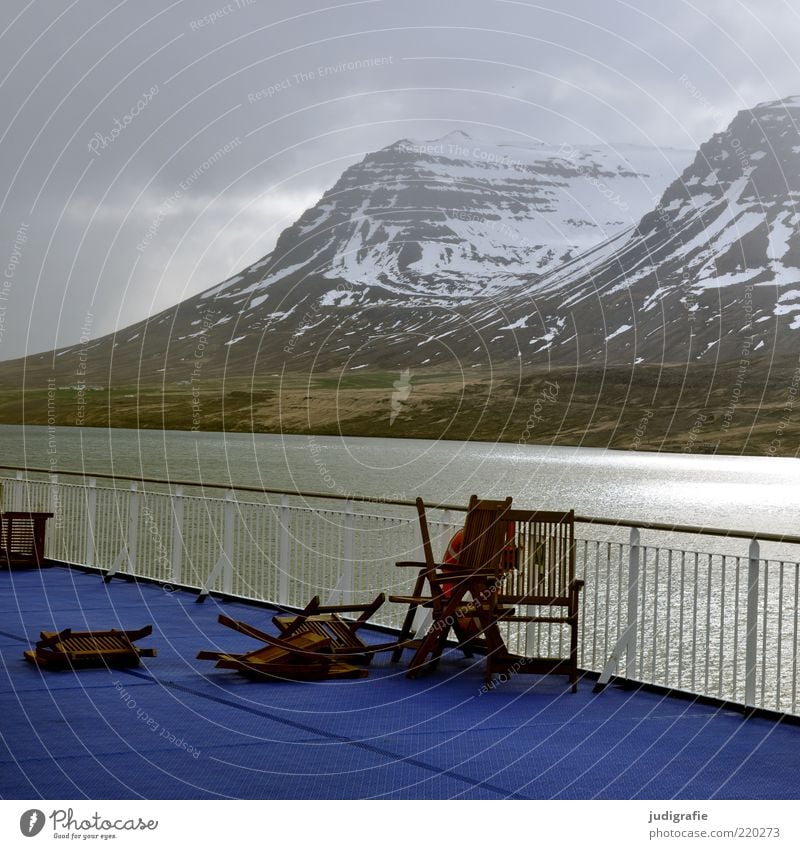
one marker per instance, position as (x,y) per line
(404,238)
(451,217)
(454,253)
(712,272)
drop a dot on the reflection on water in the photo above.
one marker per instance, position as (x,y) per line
(749,493)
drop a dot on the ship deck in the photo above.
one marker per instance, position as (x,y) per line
(177,728)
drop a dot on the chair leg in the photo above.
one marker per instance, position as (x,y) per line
(573,652)
(405,632)
(433,642)
(463,640)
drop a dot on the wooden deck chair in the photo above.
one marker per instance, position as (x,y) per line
(299,657)
(325,620)
(480,565)
(543,589)
(80,649)
(22,538)
(428,592)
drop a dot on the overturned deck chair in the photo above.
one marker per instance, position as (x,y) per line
(81,649)
(298,657)
(342,634)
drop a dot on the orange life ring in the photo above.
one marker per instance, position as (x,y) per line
(456,543)
(454,548)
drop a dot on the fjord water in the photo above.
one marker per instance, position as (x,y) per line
(734,492)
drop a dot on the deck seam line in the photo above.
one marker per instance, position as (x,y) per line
(504,793)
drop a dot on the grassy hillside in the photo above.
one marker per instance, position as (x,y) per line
(729,408)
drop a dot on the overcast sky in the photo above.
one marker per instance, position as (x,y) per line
(151,149)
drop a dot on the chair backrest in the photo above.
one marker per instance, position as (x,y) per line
(22,536)
(545,542)
(17,536)
(484,535)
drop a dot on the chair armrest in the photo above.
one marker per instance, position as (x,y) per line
(455,575)
(449,570)
(576,584)
(419,565)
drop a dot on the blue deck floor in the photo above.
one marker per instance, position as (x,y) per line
(176,727)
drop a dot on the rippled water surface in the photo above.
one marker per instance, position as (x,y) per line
(748,493)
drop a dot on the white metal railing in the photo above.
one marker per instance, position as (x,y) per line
(717,624)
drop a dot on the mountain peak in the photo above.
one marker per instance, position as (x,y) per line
(791,102)
(456,136)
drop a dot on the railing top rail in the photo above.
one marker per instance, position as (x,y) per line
(587,520)
(689,529)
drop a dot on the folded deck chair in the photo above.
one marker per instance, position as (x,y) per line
(325,621)
(298,657)
(431,590)
(82,649)
(480,561)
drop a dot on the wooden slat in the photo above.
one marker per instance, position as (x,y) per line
(330,625)
(22,537)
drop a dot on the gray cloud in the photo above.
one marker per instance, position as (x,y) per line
(151,150)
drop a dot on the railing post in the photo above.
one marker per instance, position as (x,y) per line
(128,550)
(447,521)
(133,527)
(54,495)
(633,603)
(751,628)
(18,499)
(91,523)
(342,593)
(628,638)
(346,584)
(224,565)
(56,537)
(176,559)
(283,552)
(227,542)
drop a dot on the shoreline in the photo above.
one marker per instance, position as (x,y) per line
(555,443)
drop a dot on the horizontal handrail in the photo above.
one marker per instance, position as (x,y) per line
(369,499)
(690,529)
